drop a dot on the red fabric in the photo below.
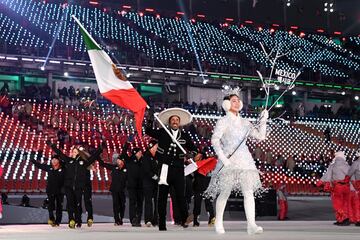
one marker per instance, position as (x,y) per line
(283,209)
(354,207)
(4,101)
(356,184)
(207,165)
(327,187)
(129,99)
(340,200)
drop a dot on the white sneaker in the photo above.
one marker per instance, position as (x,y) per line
(148,224)
(254,230)
(219,227)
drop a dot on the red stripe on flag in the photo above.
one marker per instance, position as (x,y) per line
(129,99)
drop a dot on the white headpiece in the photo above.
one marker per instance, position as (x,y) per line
(228,91)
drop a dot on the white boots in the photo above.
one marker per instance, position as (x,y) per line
(249,206)
(254,229)
(220,208)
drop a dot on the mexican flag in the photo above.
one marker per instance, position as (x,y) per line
(112,84)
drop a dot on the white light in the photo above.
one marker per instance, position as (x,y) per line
(288,4)
(42,68)
(356,98)
(277,87)
(128,75)
(205,81)
(293,93)
(343,93)
(27,59)
(149,80)
(12,58)
(331,10)
(66,74)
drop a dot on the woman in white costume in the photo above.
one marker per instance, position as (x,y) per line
(236,170)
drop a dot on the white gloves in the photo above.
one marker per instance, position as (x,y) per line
(264,115)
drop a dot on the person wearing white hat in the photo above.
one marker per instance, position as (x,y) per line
(335,181)
(237,172)
(171,156)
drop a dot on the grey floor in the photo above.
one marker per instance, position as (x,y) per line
(234,230)
(300,208)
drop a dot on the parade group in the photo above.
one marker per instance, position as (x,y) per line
(149,177)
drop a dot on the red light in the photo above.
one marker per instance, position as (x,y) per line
(290,32)
(260,29)
(337,33)
(93,3)
(275,25)
(149,10)
(302,34)
(180,13)
(294,27)
(192,20)
(320,30)
(126,6)
(272,30)
(141,14)
(201,16)
(249,22)
(229,19)
(158,16)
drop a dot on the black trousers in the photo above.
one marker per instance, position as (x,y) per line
(175,206)
(85,193)
(201,183)
(136,199)
(175,178)
(119,200)
(150,196)
(197,205)
(55,203)
(71,203)
(88,202)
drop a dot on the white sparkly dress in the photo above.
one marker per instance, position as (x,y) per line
(240,174)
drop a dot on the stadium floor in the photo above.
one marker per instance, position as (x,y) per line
(235,230)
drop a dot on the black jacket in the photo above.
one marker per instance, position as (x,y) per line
(150,170)
(76,174)
(118,176)
(167,151)
(55,179)
(135,177)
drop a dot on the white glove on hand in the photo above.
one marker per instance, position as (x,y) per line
(264,115)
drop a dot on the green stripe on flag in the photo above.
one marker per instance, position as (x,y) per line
(90,43)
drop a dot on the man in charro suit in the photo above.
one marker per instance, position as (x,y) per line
(171,156)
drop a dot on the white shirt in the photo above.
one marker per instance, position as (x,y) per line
(175,132)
